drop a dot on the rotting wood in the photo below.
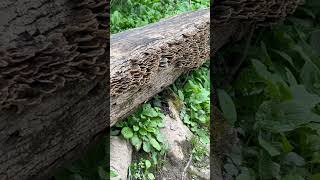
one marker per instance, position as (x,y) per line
(48,114)
(146,60)
(53,88)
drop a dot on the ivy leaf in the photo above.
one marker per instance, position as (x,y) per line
(127,132)
(227,106)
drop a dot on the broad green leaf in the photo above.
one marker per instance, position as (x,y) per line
(292,177)
(127,132)
(267,168)
(310,77)
(315,176)
(135,128)
(155,144)
(151,176)
(136,142)
(268,147)
(227,106)
(314,62)
(146,146)
(284,117)
(159,137)
(301,95)
(293,158)
(148,164)
(143,131)
(149,111)
(246,174)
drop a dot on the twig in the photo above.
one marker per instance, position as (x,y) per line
(185,168)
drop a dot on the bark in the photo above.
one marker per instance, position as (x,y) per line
(54,70)
(146,60)
(53,83)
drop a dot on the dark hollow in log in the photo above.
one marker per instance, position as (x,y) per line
(146,60)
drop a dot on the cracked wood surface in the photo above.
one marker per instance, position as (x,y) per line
(146,60)
(53,88)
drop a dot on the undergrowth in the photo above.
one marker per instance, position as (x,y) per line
(274,102)
(126,14)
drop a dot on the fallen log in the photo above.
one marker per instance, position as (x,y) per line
(146,60)
(53,83)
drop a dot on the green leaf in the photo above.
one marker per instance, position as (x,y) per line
(286,146)
(246,174)
(113,173)
(268,147)
(293,158)
(148,164)
(143,131)
(146,146)
(292,177)
(285,116)
(159,137)
(267,168)
(127,132)
(135,128)
(151,176)
(149,111)
(136,142)
(285,57)
(180,94)
(155,144)
(291,79)
(227,106)
(315,176)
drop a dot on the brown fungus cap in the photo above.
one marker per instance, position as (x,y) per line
(262,12)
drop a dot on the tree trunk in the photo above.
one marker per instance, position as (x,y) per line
(146,60)
(53,82)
